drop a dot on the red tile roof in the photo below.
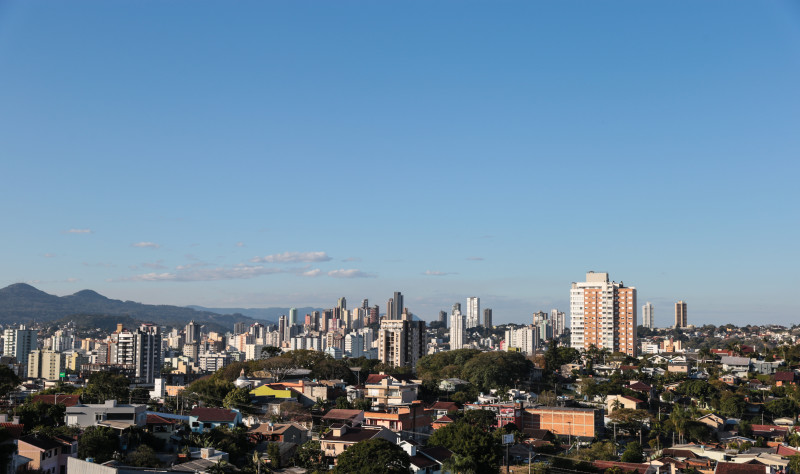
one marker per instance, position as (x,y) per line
(374,378)
(737,468)
(14,429)
(341,414)
(785,376)
(444,406)
(66,400)
(160,420)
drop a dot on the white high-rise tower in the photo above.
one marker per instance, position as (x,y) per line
(457,330)
(647,316)
(473,312)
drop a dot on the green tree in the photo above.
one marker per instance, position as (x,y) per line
(489,370)
(468,440)
(364,456)
(274,455)
(143,456)
(238,398)
(99,443)
(104,386)
(37,414)
(483,419)
(633,453)
(309,456)
(781,407)
(8,381)
(794,464)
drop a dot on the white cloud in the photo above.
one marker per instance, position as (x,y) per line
(293,257)
(72,280)
(154,265)
(240,244)
(237,272)
(312,273)
(436,273)
(352,259)
(78,231)
(146,245)
(49,255)
(351,273)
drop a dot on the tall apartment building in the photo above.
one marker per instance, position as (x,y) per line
(458,332)
(147,353)
(395,306)
(19,343)
(559,320)
(473,312)
(647,315)
(239,328)
(487,318)
(45,364)
(293,317)
(603,314)
(524,339)
(122,348)
(680,314)
(401,342)
(192,333)
(443,318)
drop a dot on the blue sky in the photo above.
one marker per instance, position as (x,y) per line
(288,153)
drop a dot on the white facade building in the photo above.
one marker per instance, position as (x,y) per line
(473,312)
(458,333)
(524,339)
(647,316)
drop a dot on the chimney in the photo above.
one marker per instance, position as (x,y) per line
(206,453)
(110,403)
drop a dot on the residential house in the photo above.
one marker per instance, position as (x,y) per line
(280,432)
(47,454)
(343,416)
(162,428)
(385,390)
(425,460)
(58,399)
(741,468)
(341,436)
(109,413)
(406,418)
(785,378)
(623,401)
(443,408)
(715,422)
(205,419)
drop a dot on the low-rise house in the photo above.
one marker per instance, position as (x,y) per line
(343,416)
(47,454)
(280,432)
(715,422)
(770,432)
(110,412)
(785,378)
(340,437)
(440,409)
(205,419)
(623,401)
(425,460)
(162,428)
(407,418)
(737,365)
(441,422)
(385,390)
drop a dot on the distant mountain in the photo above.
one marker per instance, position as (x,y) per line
(21,302)
(270,314)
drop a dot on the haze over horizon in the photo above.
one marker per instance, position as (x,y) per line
(264,154)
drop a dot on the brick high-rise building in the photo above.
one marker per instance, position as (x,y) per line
(603,314)
(680,314)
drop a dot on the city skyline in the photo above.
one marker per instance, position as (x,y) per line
(166,165)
